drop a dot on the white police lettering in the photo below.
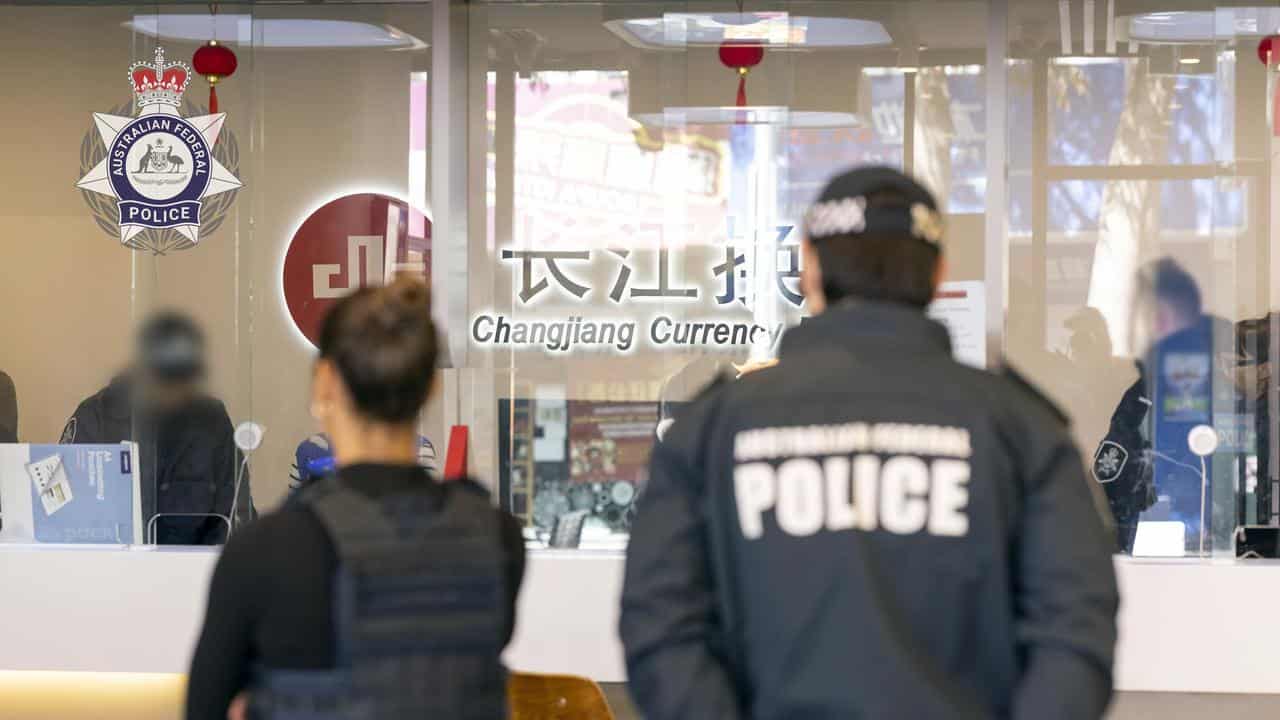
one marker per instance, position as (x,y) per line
(885,438)
(950,498)
(800,509)
(866,473)
(904,483)
(842,514)
(753,485)
(900,478)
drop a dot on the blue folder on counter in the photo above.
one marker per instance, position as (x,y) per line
(70,494)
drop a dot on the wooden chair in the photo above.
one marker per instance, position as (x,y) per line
(556,697)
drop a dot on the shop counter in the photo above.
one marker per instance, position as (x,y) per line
(101,608)
(93,608)
(1186,625)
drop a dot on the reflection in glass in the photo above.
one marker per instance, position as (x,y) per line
(1137,171)
(627,194)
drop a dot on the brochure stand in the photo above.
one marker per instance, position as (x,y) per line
(71,494)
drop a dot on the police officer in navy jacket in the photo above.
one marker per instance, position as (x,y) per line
(869,529)
(1184,383)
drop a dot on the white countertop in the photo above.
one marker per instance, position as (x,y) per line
(1185,625)
(139,609)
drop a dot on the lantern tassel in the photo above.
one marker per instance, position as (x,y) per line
(742,87)
(213,99)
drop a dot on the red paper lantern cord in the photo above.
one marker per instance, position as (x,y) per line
(214,62)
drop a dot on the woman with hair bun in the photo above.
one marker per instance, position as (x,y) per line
(380,592)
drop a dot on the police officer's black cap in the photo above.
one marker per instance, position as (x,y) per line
(171,347)
(874,201)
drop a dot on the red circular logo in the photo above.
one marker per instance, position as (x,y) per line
(349,243)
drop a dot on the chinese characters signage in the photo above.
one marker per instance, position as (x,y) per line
(539,268)
(663,291)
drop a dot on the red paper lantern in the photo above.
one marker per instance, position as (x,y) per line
(1269,55)
(741,55)
(214,62)
(1269,50)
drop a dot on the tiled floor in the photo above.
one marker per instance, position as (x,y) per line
(1128,706)
(1185,706)
(620,701)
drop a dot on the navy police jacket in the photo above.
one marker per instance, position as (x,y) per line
(869,530)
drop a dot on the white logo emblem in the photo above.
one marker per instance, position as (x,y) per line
(159,166)
(1109,461)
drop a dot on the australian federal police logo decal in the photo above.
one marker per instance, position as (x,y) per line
(159,166)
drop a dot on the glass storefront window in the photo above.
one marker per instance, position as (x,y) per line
(620,212)
(1139,254)
(641,224)
(320,183)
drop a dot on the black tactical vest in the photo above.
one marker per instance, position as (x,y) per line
(418,613)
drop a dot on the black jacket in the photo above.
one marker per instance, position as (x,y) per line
(188,460)
(270,601)
(1122,462)
(8,409)
(982,587)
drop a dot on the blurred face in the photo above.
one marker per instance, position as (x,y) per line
(1085,343)
(1167,320)
(168,395)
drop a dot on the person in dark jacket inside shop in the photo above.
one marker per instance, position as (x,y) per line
(1183,383)
(8,409)
(378,591)
(869,529)
(191,471)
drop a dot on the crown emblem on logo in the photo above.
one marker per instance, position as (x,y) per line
(159,83)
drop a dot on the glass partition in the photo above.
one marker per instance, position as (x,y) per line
(1139,258)
(642,196)
(133,199)
(617,188)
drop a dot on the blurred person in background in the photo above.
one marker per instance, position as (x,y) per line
(313,460)
(378,592)
(869,529)
(189,461)
(8,409)
(1145,456)
(8,416)
(1092,377)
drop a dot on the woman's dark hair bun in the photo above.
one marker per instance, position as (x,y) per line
(383,342)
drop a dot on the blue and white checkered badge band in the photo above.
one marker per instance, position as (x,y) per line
(848,216)
(836,217)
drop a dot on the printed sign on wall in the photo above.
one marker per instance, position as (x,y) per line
(159,166)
